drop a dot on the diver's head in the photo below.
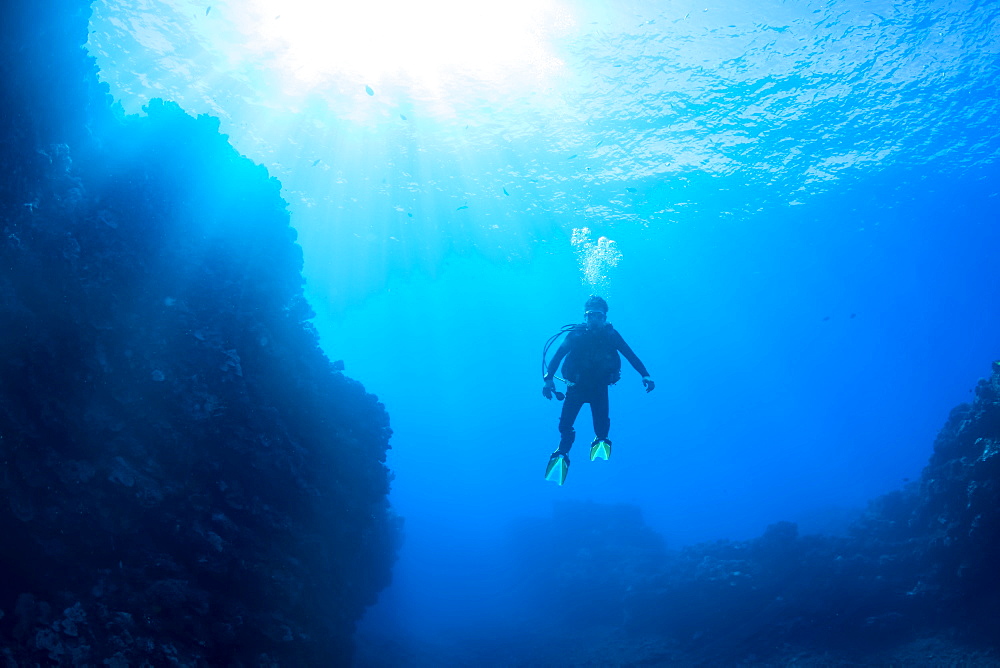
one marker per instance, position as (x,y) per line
(596,312)
(595,303)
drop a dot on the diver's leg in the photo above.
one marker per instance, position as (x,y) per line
(600,411)
(570,409)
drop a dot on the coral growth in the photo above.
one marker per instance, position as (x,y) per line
(185,477)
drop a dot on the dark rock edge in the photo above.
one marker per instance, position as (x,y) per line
(185,478)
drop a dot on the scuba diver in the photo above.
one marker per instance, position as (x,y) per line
(591,365)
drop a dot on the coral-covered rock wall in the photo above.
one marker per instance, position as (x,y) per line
(185,478)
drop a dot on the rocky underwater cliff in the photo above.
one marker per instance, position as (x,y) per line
(185,477)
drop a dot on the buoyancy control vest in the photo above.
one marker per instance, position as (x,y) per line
(593,357)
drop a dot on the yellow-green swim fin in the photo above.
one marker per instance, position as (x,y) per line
(600,449)
(557,468)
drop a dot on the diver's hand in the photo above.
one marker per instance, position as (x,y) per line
(648,382)
(549,388)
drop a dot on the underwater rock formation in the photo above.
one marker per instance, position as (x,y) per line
(185,478)
(920,564)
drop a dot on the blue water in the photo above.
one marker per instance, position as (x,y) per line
(803,196)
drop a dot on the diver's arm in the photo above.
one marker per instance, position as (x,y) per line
(549,386)
(563,350)
(634,360)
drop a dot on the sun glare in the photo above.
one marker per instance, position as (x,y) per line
(427,44)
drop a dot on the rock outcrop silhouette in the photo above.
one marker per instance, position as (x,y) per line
(185,477)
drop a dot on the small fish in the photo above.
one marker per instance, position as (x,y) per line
(631,190)
(599,143)
(826,318)
(208,10)
(506,193)
(572,156)
(368,89)
(316,161)
(409,215)
(853,314)
(402,117)
(464,206)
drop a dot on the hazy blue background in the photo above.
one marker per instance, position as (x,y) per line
(804,196)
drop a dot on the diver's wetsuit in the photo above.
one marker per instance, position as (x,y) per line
(592,364)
